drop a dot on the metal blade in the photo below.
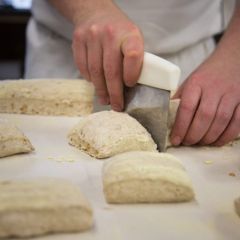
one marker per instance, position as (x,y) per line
(150,107)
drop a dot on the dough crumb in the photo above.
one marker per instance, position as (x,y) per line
(232,174)
(208,162)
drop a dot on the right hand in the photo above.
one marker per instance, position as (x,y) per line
(108,50)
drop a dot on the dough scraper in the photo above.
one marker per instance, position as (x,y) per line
(148,100)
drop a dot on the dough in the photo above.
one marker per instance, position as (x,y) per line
(46,97)
(42,206)
(12,140)
(237,206)
(104,134)
(146,177)
(173,107)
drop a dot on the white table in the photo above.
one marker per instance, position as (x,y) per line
(210,216)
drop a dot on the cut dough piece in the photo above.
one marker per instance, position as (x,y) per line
(173,107)
(237,206)
(107,133)
(47,97)
(42,206)
(12,140)
(146,177)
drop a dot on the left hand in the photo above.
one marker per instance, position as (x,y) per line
(209,112)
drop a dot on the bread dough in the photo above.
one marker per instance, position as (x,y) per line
(237,206)
(47,97)
(107,133)
(12,140)
(173,107)
(42,206)
(146,177)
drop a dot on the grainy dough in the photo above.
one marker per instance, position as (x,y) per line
(237,206)
(108,133)
(47,97)
(146,177)
(173,107)
(12,140)
(42,206)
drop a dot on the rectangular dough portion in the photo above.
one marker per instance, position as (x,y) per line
(146,177)
(107,133)
(47,97)
(42,206)
(12,140)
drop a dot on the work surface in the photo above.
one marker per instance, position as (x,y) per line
(210,216)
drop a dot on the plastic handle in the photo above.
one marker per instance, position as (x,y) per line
(159,73)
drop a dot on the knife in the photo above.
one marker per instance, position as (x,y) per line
(148,101)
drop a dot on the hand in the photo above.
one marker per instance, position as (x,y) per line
(209,112)
(108,50)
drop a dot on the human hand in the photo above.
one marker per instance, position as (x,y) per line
(108,50)
(209,112)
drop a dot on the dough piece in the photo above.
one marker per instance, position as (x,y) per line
(47,97)
(237,206)
(12,140)
(173,107)
(104,134)
(37,207)
(146,177)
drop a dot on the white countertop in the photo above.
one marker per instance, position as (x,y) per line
(210,216)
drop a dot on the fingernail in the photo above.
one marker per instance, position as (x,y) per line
(117,108)
(176,140)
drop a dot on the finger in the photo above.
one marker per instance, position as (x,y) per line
(132,49)
(232,131)
(203,118)
(112,65)
(189,102)
(95,65)
(221,121)
(80,53)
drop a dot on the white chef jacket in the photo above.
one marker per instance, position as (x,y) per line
(178,30)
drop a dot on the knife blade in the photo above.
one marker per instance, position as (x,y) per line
(148,101)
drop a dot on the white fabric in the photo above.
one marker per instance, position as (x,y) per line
(179,30)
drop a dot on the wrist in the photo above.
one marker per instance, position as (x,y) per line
(93,9)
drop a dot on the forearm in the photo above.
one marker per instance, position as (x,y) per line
(229,46)
(78,11)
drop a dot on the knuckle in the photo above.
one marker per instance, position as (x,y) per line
(93,30)
(110,30)
(223,117)
(195,78)
(205,114)
(134,29)
(110,72)
(95,70)
(78,35)
(134,54)
(187,107)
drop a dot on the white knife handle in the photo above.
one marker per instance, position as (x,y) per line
(159,73)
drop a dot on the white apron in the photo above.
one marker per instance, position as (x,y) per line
(178,30)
